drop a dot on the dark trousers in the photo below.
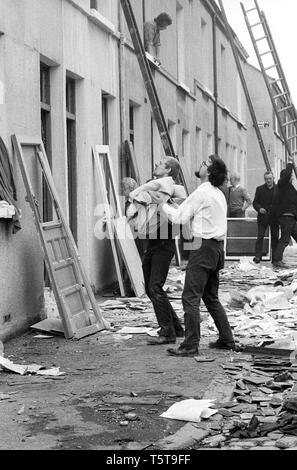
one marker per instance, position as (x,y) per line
(236,213)
(202,282)
(288,227)
(274,230)
(155,265)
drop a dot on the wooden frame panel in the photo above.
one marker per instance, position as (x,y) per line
(82,284)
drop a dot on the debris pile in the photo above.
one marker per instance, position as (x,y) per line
(263,411)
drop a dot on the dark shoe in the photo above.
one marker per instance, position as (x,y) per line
(156,340)
(182,352)
(279,264)
(257,260)
(222,345)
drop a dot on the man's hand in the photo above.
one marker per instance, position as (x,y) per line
(263,211)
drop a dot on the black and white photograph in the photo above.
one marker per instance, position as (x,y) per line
(148,229)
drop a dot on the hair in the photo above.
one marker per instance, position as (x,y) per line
(268,173)
(130,182)
(283,172)
(213,157)
(173,164)
(217,171)
(163,18)
(235,175)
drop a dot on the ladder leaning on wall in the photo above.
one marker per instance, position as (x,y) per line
(280,95)
(149,84)
(245,88)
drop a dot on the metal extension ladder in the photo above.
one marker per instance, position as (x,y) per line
(277,87)
(149,83)
(245,88)
(72,290)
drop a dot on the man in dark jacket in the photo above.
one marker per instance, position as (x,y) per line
(265,205)
(287,213)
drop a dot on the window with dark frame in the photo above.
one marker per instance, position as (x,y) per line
(131,124)
(94,4)
(71,154)
(45,121)
(105,137)
(45,108)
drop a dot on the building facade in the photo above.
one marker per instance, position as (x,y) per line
(68,73)
(268,125)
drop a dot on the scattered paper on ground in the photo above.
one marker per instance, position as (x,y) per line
(28,369)
(54,371)
(9,365)
(134,330)
(190,410)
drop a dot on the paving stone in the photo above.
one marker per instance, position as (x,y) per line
(286,442)
(246,444)
(274,435)
(186,436)
(260,440)
(268,443)
(264,448)
(214,441)
(246,416)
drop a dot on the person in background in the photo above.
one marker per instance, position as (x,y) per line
(206,208)
(286,212)
(152,33)
(225,188)
(239,199)
(265,205)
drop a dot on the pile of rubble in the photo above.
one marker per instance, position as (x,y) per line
(263,411)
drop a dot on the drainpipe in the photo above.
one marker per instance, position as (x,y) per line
(143,15)
(215,81)
(122,94)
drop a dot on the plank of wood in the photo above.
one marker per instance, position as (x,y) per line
(185,437)
(255,380)
(219,389)
(133,401)
(266,350)
(88,330)
(130,254)
(51,325)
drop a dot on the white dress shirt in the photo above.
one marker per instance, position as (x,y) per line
(206,209)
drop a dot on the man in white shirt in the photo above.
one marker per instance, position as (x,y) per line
(207,209)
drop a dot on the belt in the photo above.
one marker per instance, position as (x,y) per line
(213,240)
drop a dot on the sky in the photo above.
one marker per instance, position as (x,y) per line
(281,16)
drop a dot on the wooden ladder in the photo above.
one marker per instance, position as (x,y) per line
(149,85)
(245,88)
(277,87)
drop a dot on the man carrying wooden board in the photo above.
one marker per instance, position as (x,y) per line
(157,257)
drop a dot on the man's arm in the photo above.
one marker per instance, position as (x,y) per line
(153,185)
(256,202)
(186,210)
(285,179)
(247,199)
